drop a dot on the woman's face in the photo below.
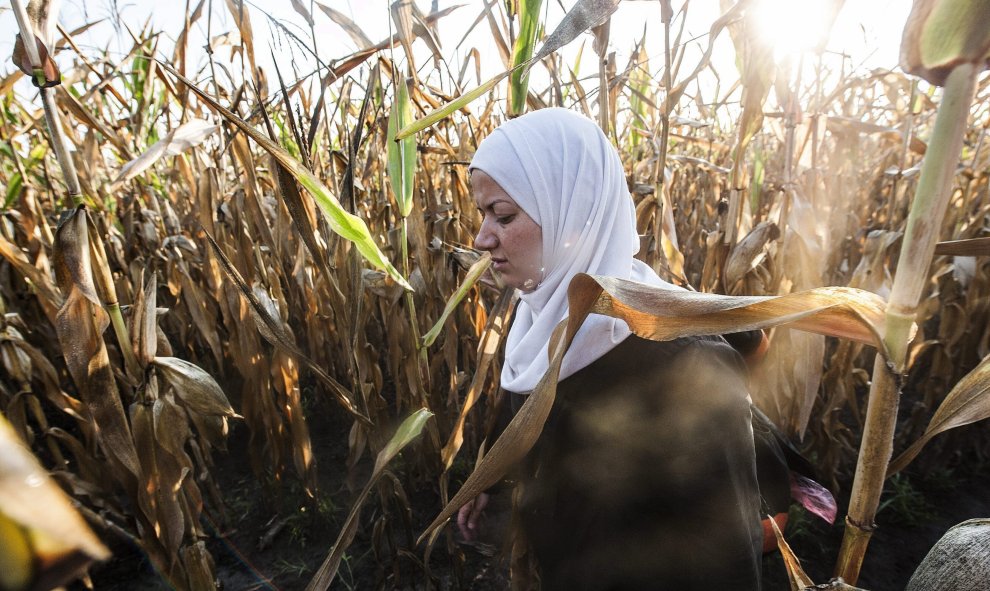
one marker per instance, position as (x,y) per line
(514,240)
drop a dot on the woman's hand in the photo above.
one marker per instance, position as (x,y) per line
(469,514)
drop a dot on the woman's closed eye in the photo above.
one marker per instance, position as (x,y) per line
(503,220)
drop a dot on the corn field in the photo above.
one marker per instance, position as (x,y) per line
(211,268)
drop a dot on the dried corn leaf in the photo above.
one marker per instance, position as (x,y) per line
(301,9)
(971,247)
(663,314)
(749,252)
(186,136)
(47,291)
(163,478)
(350,27)
(584,15)
(273,332)
(197,390)
(487,348)
(341,221)
(401,11)
(967,402)
(795,574)
(239,11)
(45,541)
(80,324)
(144,324)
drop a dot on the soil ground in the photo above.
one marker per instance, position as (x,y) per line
(275,538)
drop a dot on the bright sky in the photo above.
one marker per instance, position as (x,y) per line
(868,32)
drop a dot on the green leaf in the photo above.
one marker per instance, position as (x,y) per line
(341,221)
(473,274)
(13,189)
(583,16)
(941,34)
(522,51)
(401,153)
(458,103)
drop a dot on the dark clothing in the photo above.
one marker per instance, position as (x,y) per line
(644,475)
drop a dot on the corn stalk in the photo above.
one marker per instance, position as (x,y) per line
(923,225)
(68,167)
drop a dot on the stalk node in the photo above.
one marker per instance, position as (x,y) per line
(860,528)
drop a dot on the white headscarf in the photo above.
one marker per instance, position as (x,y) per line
(559,167)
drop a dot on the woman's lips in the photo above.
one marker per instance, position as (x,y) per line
(499,264)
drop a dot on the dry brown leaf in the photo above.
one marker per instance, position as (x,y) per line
(80,324)
(189,134)
(46,543)
(971,247)
(273,332)
(490,340)
(968,402)
(239,10)
(144,323)
(795,574)
(350,27)
(584,15)
(197,390)
(749,252)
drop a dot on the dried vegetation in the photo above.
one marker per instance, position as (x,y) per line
(238,240)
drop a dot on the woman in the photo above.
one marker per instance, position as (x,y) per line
(644,475)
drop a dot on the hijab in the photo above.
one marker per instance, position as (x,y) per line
(559,167)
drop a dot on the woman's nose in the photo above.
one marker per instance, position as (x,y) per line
(485,240)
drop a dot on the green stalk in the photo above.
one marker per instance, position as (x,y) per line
(522,51)
(924,222)
(421,350)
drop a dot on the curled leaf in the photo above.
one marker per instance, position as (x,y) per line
(144,322)
(197,390)
(942,34)
(188,135)
(49,72)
